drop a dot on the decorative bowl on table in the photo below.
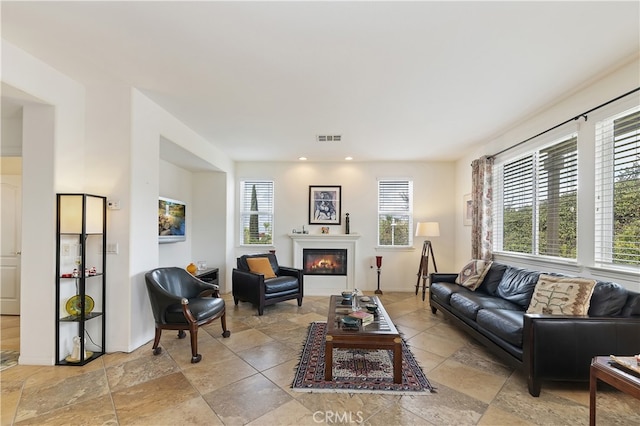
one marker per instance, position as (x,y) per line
(350,321)
(347,295)
(371,307)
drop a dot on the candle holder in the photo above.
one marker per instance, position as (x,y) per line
(379,265)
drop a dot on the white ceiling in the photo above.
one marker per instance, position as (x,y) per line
(398,80)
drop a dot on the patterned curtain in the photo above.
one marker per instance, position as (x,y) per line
(482,208)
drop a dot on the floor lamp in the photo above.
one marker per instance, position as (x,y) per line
(426,229)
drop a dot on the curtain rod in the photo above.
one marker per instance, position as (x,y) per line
(584,114)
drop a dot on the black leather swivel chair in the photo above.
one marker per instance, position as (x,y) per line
(182,302)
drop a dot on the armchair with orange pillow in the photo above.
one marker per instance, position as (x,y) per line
(258,279)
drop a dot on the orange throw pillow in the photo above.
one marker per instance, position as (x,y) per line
(261,265)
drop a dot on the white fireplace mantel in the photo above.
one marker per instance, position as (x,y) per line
(319,285)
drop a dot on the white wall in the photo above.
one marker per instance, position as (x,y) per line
(433,185)
(607,87)
(53,161)
(150,125)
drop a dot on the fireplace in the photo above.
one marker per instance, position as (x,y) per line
(324,261)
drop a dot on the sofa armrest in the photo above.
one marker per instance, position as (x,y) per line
(562,347)
(443,278)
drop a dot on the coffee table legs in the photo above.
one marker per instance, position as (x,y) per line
(397,361)
(328,360)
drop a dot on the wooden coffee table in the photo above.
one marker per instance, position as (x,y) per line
(380,334)
(601,369)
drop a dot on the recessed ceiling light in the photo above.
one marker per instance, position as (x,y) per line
(348,158)
(302,158)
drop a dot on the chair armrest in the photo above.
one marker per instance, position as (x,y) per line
(437,277)
(247,286)
(290,272)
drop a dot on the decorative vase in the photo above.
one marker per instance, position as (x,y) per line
(192,268)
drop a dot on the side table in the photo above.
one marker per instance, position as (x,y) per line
(622,380)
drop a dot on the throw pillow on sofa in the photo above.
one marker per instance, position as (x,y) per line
(473,273)
(561,296)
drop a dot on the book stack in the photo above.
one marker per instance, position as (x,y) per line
(363,316)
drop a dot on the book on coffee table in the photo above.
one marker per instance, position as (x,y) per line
(363,316)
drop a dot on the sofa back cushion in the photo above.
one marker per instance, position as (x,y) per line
(607,299)
(632,306)
(517,285)
(492,279)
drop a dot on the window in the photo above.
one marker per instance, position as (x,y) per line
(256,212)
(395,212)
(617,230)
(536,202)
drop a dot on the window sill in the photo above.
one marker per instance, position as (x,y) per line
(395,248)
(613,272)
(539,262)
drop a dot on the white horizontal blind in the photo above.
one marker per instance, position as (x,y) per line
(536,201)
(617,233)
(256,212)
(557,199)
(517,207)
(395,207)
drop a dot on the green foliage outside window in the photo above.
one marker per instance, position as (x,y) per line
(394,230)
(626,213)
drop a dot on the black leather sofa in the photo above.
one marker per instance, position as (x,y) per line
(546,347)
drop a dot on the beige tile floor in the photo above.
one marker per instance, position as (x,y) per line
(246,379)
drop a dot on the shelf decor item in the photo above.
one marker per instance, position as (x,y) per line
(80,295)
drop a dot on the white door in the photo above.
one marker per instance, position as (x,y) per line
(10,240)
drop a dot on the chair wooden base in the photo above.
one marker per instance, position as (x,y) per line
(193,332)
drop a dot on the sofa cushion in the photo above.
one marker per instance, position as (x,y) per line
(469,303)
(492,279)
(607,299)
(280,284)
(261,265)
(473,273)
(561,296)
(443,291)
(504,323)
(517,285)
(632,306)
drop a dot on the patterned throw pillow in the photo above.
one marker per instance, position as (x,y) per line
(261,265)
(473,273)
(561,296)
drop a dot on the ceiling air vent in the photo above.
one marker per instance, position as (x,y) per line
(329,138)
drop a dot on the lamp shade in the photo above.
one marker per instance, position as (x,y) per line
(428,229)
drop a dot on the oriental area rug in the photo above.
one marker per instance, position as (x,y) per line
(356,370)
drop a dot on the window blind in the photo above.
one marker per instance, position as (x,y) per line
(395,204)
(536,201)
(256,212)
(617,230)
(557,199)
